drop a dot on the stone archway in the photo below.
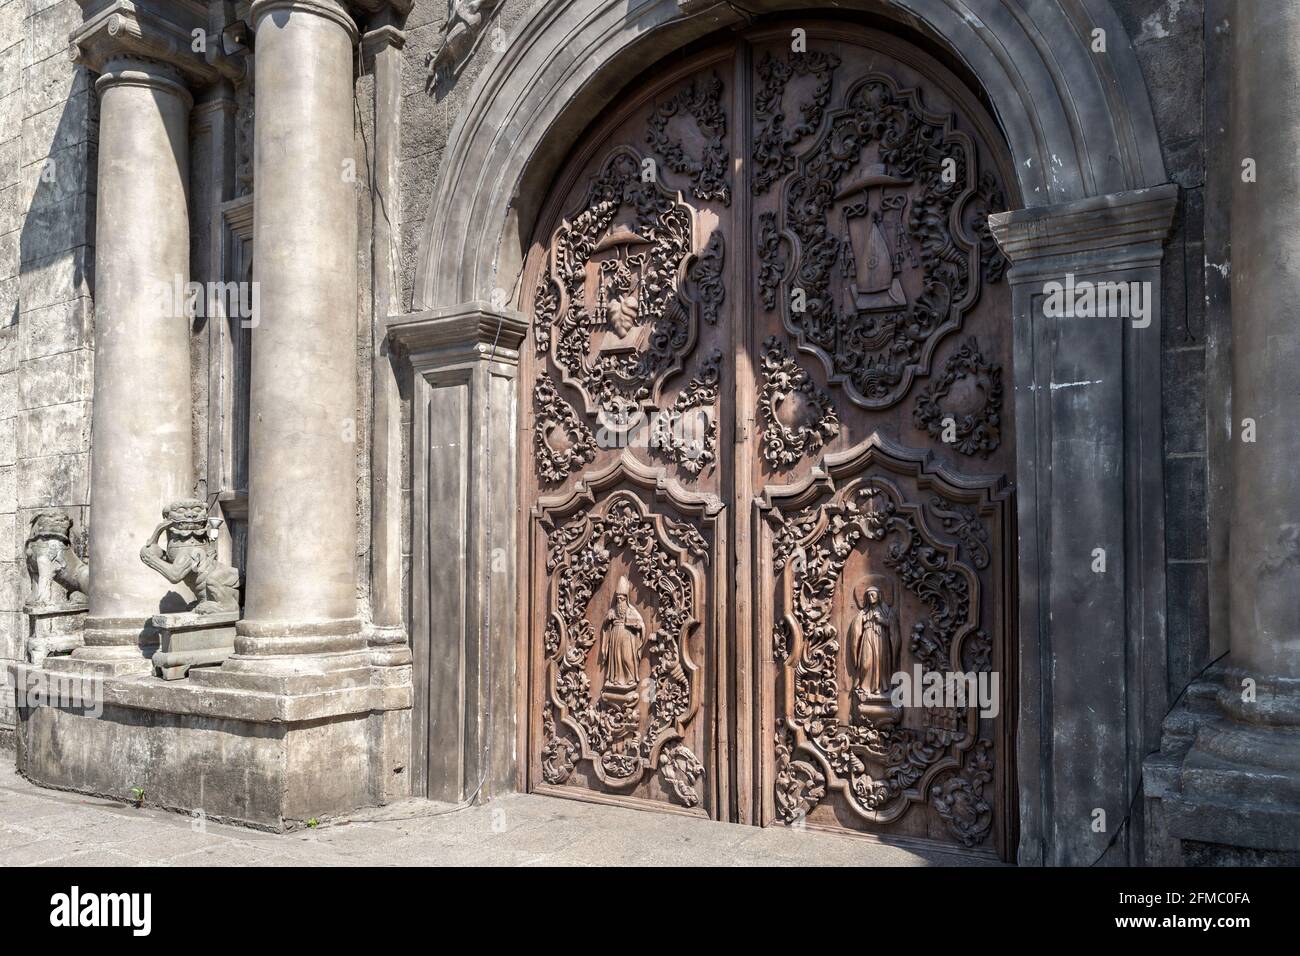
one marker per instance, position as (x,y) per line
(1087,394)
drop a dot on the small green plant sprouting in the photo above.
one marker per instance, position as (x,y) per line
(137,794)
(313,823)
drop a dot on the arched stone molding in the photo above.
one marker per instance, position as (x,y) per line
(1079,127)
(1078,123)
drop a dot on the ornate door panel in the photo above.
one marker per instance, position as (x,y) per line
(629,551)
(772,448)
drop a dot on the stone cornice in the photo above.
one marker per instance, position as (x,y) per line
(469,328)
(1119,224)
(136,29)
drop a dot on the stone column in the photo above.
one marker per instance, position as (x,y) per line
(1264,543)
(301,592)
(1226,785)
(141,456)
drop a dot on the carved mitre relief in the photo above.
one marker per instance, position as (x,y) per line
(612,307)
(879,243)
(623,638)
(865,589)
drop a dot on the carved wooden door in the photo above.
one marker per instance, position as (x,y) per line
(772,448)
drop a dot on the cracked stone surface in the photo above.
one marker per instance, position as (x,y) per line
(51,828)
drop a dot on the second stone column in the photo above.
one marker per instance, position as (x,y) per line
(301,604)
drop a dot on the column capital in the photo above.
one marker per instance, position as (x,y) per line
(127,70)
(145,31)
(336,11)
(1127,228)
(379,40)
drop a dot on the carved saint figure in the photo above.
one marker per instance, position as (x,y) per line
(873,642)
(621,639)
(191,556)
(52,560)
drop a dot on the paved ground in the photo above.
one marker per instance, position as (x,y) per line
(44,827)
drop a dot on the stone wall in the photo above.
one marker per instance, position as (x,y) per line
(1183,49)
(48,119)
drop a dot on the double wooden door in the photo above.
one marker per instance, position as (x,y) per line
(772,447)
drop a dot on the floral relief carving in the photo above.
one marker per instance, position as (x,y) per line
(562,442)
(773,140)
(706,275)
(969,392)
(771,265)
(623,740)
(701,99)
(882,764)
(799,417)
(691,440)
(964,524)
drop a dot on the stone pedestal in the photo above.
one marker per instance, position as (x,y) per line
(192,640)
(53,629)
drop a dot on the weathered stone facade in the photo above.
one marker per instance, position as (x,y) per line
(392,238)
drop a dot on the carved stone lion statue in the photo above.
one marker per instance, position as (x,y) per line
(191,556)
(51,560)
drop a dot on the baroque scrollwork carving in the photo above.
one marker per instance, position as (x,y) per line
(771,264)
(880,208)
(959,797)
(691,440)
(626,725)
(701,99)
(611,305)
(881,764)
(562,442)
(773,140)
(680,769)
(964,524)
(800,786)
(799,417)
(706,275)
(969,392)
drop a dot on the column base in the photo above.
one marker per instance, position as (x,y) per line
(114,646)
(267,760)
(293,659)
(1223,791)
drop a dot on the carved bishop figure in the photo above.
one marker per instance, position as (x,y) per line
(621,640)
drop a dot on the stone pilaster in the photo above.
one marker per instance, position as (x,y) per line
(1226,785)
(1090,513)
(301,597)
(464,457)
(389,546)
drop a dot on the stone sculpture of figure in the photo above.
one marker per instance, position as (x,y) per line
(191,556)
(873,642)
(621,639)
(51,560)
